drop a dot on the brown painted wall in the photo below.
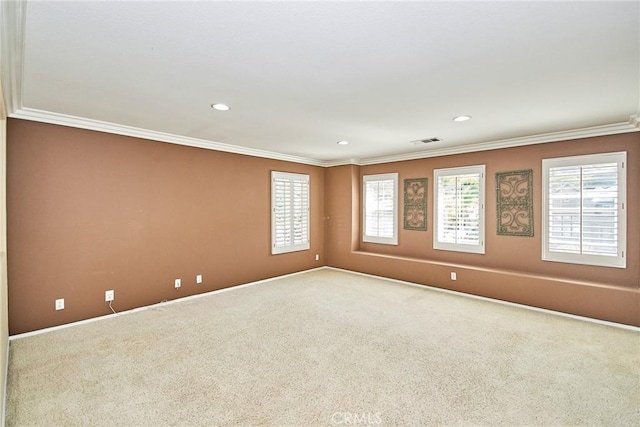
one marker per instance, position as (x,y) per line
(511,269)
(4,306)
(90,211)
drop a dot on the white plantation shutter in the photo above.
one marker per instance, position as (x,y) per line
(584,208)
(290,212)
(380,208)
(459,209)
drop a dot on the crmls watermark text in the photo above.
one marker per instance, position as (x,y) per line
(356,418)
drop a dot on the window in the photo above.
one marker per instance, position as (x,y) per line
(289,212)
(584,215)
(380,208)
(459,209)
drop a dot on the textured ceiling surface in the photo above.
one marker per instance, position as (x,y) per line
(299,76)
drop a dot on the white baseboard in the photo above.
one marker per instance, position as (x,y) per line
(232,288)
(4,386)
(147,307)
(497,301)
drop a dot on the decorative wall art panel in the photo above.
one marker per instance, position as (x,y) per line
(514,197)
(415,204)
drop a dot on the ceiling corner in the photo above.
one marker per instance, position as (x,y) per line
(12,28)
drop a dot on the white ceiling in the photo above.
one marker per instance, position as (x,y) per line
(299,76)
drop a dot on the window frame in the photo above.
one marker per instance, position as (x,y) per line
(291,177)
(457,171)
(379,239)
(618,261)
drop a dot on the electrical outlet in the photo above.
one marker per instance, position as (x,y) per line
(454,276)
(317,257)
(109,295)
(199,278)
(60,304)
(178,283)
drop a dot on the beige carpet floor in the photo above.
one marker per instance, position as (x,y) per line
(327,348)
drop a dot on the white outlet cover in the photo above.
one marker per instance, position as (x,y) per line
(178,283)
(109,295)
(454,276)
(60,304)
(199,278)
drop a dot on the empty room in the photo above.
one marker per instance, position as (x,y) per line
(320,213)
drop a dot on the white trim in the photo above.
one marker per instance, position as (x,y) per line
(232,288)
(459,247)
(113,128)
(4,303)
(97,125)
(496,301)
(332,163)
(291,178)
(377,239)
(12,25)
(4,386)
(619,261)
(152,306)
(611,129)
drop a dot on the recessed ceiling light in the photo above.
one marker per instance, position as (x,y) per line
(343,142)
(220,107)
(461,118)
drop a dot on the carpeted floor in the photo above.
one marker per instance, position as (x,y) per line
(327,348)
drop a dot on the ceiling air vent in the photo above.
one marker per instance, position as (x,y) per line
(425,141)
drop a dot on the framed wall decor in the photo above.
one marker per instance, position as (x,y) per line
(415,204)
(514,199)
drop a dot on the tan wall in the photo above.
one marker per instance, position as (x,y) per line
(90,211)
(4,307)
(511,269)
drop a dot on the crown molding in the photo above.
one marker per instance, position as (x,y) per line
(611,129)
(12,25)
(632,125)
(100,126)
(343,162)
(12,28)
